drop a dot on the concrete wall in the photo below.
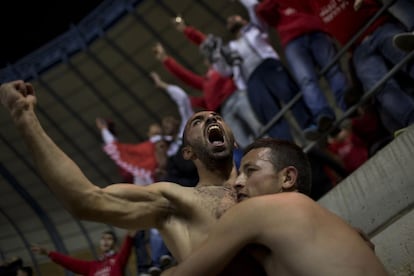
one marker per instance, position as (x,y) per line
(379,198)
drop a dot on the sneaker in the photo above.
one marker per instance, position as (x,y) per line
(404,41)
(154,271)
(312,133)
(399,132)
(165,260)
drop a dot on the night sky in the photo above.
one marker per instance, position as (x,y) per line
(27,25)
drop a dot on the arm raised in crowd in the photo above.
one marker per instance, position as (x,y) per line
(127,206)
(192,34)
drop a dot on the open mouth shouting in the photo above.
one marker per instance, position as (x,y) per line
(215,135)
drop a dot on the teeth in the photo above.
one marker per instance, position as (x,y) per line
(213,127)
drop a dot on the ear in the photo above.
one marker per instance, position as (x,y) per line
(290,175)
(187,153)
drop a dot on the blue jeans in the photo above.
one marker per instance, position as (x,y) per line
(239,115)
(269,85)
(370,60)
(305,55)
(158,247)
(143,260)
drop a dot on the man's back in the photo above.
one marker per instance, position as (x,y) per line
(288,234)
(299,234)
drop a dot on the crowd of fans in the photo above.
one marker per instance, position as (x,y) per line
(248,84)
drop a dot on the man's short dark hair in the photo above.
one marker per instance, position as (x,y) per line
(112,233)
(284,154)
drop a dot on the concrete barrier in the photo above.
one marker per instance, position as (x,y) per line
(379,199)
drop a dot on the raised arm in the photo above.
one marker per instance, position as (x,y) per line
(70,263)
(127,206)
(179,96)
(176,69)
(191,33)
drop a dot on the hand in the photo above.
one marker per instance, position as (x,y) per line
(159,52)
(179,23)
(158,81)
(156,78)
(17,96)
(40,249)
(101,123)
(358,4)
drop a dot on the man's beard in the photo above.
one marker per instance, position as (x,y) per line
(212,160)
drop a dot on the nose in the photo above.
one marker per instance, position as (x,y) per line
(239,183)
(211,119)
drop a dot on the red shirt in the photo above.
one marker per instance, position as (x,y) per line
(341,20)
(288,22)
(215,87)
(137,159)
(351,150)
(111,265)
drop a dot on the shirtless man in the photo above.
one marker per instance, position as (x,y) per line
(294,235)
(183,215)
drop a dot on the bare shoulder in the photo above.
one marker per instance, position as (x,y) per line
(291,200)
(283,211)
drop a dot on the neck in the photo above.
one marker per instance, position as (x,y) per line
(219,175)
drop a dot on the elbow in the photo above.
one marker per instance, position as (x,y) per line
(85,207)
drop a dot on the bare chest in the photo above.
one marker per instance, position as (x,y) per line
(215,201)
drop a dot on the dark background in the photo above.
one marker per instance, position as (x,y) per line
(27,25)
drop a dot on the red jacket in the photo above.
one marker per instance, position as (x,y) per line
(137,159)
(288,22)
(111,265)
(341,20)
(351,150)
(215,87)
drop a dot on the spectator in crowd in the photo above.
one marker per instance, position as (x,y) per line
(219,94)
(112,262)
(236,109)
(350,150)
(269,84)
(275,175)
(307,48)
(178,169)
(146,161)
(371,53)
(402,10)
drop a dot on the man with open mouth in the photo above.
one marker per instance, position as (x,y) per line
(183,215)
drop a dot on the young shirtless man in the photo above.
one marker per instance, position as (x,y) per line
(293,234)
(183,215)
